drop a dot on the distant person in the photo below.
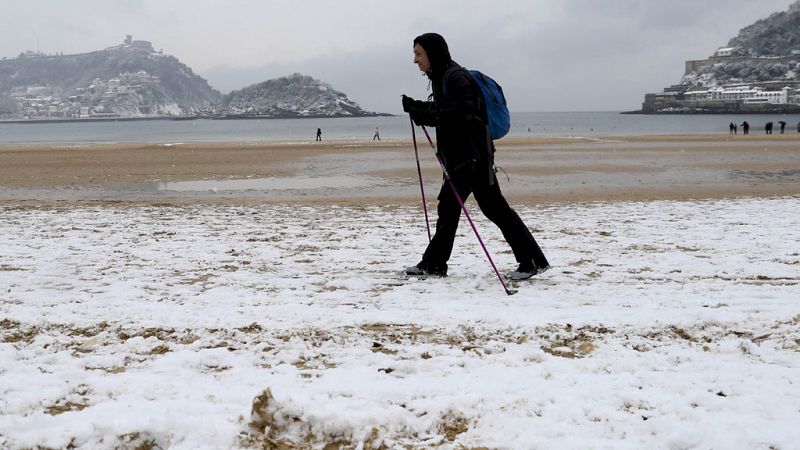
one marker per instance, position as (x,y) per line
(798,127)
(319,134)
(377,134)
(730,128)
(745,127)
(768,128)
(735,129)
(783,126)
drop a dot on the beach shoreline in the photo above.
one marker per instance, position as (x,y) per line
(539,170)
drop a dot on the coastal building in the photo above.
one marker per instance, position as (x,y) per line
(113,85)
(724,52)
(728,99)
(676,89)
(744,94)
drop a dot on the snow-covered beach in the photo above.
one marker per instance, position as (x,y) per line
(669,323)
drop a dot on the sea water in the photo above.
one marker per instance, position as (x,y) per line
(557,124)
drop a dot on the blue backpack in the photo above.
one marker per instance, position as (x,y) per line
(495,101)
(496,107)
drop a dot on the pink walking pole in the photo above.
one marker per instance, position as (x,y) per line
(419,171)
(469,219)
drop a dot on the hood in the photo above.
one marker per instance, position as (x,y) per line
(436,49)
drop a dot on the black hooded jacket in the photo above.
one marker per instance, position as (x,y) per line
(457,110)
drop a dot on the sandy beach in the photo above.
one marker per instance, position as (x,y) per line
(540,170)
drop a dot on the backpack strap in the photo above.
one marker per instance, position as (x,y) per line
(446,75)
(481,106)
(481,100)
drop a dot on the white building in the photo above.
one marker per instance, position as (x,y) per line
(724,51)
(745,94)
(113,85)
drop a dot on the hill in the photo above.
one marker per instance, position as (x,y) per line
(766,51)
(757,72)
(128,80)
(777,35)
(288,97)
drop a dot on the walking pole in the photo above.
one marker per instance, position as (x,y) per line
(469,219)
(419,171)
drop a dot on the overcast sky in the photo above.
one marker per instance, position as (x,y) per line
(549,55)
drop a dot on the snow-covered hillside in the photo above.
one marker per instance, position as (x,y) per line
(293,96)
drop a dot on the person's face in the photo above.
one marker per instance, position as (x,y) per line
(421,58)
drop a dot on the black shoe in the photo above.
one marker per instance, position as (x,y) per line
(526,270)
(426,269)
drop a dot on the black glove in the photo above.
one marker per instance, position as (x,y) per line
(421,118)
(410,105)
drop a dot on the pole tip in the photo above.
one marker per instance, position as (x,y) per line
(511,291)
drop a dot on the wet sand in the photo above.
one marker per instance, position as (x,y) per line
(541,170)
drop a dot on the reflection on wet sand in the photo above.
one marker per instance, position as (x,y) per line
(267,184)
(539,171)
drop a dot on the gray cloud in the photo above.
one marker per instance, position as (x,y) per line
(549,55)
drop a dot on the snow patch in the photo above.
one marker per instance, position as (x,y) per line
(662,324)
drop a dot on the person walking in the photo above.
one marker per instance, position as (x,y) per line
(730,128)
(377,134)
(459,115)
(319,135)
(745,128)
(768,128)
(783,126)
(798,127)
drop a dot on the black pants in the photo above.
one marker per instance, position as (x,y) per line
(493,205)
